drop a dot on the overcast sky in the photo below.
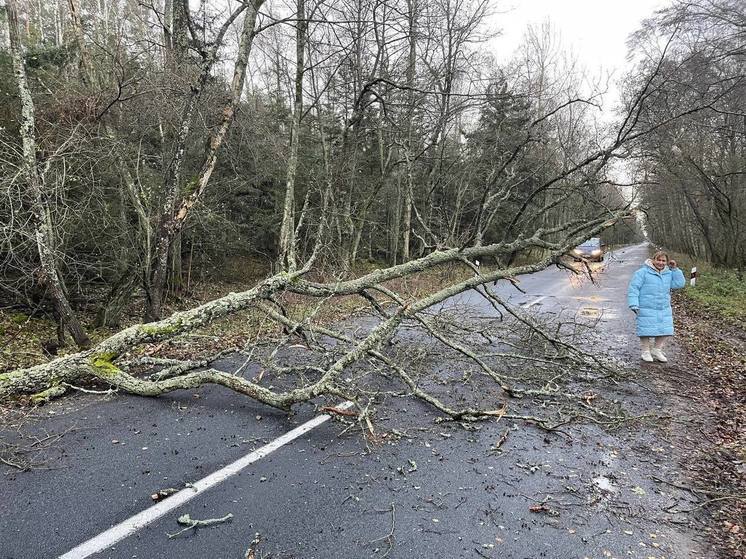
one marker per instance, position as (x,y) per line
(595,31)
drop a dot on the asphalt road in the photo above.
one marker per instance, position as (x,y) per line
(429,489)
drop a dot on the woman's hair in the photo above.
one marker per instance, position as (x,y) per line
(660,253)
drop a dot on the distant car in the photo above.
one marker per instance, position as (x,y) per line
(592,249)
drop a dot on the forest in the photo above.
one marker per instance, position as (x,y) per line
(150,146)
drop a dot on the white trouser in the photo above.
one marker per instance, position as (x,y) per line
(649,342)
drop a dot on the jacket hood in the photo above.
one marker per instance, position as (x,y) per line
(649,264)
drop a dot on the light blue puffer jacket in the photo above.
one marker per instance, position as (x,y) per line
(650,292)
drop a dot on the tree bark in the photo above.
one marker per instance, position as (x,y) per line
(84,65)
(409,147)
(43,224)
(287,258)
(175,212)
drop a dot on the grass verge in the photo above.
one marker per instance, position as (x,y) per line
(717,290)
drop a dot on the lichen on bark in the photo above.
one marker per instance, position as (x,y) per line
(46,395)
(103,364)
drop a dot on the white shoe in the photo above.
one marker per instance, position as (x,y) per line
(646,356)
(657,354)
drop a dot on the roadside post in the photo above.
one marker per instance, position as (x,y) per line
(693,277)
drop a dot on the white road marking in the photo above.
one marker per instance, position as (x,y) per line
(534,302)
(117,533)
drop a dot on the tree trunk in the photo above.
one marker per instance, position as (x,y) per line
(287,229)
(175,212)
(176,276)
(409,148)
(84,66)
(44,228)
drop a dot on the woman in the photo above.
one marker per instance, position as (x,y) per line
(649,297)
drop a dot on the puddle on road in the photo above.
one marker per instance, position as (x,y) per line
(590,312)
(604,484)
(597,313)
(591,298)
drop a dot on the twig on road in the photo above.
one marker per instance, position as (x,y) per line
(709,502)
(24,457)
(698,490)
(337,411)
(388,538)
(500,441)
(186,520)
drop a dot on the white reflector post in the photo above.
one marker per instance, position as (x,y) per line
(693,277)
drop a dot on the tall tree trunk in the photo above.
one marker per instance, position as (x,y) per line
(176,278)
(59,24)
(179,33)
(44,228)
(175,212)
(287,259)
(395,222)
(409,148)
(40,21)
(84,66)
(166,25)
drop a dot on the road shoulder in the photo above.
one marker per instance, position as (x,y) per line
(712,373)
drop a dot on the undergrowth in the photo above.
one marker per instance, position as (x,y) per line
(717,290)
(23,337)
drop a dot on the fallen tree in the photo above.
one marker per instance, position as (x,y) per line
(106,363)
(115,363)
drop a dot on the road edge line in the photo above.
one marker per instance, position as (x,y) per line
(126,528)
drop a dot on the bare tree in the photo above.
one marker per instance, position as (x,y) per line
(287,227)
(178,202)
(43,225)
(694,165)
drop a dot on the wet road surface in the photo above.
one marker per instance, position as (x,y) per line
(426,489)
